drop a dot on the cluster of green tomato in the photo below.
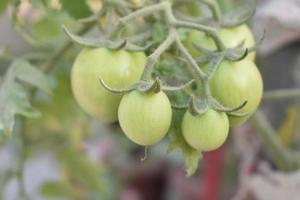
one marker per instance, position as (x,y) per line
(145,117)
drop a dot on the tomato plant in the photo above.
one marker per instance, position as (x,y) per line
(145,117)
(142,70)
(205,132)
(227,81)
(117,68)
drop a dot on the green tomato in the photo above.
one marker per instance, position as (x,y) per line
(205,132)
(117,68)
(231,37)
(237,82)
(145,118)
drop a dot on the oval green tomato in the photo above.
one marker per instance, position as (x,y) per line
(205,132)
(237,82)
(145,117)
(231,37)
(117,68)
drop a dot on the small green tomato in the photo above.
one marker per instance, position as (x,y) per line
(205,132)
(237,82)
(145,118)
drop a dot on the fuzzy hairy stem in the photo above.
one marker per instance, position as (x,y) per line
(193,64)
(166,7)
(22,150)
(137,14)
(154,57)
(214,7)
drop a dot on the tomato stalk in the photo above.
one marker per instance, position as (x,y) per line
(153,58)
(215,8)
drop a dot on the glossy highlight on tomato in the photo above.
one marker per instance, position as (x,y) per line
(231,37)
(145,118)
(205,132)
(117,68)
(237,82)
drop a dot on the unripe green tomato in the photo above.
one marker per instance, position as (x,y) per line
(237,82)
(117,68)
(145,118)
(231,37)
(205,132)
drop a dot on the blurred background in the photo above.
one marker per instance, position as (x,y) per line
(65,154)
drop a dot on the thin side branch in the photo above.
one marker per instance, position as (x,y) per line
(195,68)
(154,57)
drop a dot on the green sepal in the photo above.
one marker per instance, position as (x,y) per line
(219,107)
(147,86)
(113,45)
(197,106)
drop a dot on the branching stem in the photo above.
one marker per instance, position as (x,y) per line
(194,66)
(154,57)
(215,8)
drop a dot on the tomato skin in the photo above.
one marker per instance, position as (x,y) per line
(117,68)
(231,37)
(205,132)
(145,118)
(237,82)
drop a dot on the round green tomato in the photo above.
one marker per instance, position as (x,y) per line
(205,132)
(117,68)
(237,82)
(231,37)
(145,118)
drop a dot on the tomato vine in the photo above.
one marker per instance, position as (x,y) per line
(202,69)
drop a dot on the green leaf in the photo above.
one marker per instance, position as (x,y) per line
(14,99)
(173,69)
(3,5)
(159,32)
(77,9)
(24,71)
(192,156)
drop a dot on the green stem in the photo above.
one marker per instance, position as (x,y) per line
(282,94)
(166,6)
(154,57)
(285,159)
(215,8)
(208,30)
(206,88)
(137,14)
(193,64)
(22,158)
